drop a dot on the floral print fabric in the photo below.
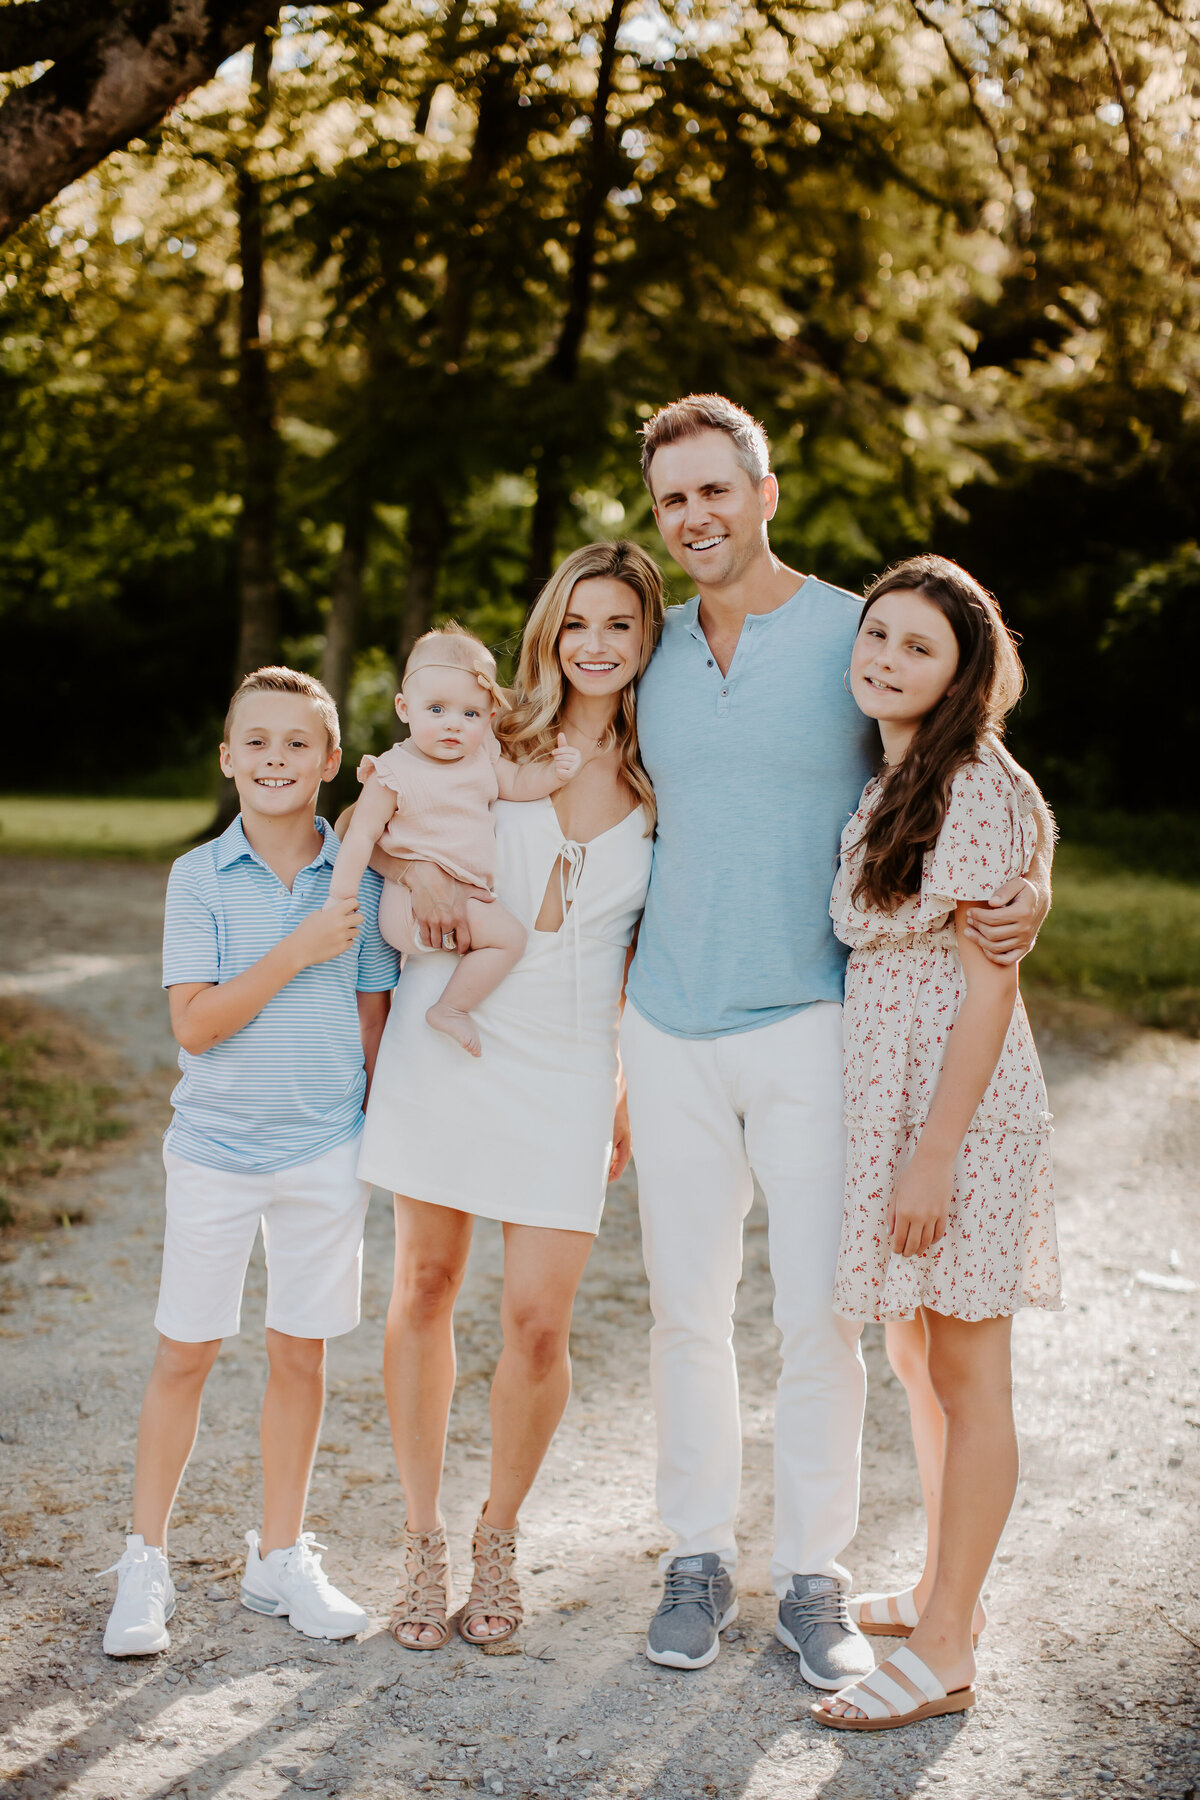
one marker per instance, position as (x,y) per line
(904,986)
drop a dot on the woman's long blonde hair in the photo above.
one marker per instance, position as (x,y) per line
(530,728)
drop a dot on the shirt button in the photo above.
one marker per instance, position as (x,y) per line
(725,690)
(710,662)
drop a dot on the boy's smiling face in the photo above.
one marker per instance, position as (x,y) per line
(278,753)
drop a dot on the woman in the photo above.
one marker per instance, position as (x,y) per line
(530,1133)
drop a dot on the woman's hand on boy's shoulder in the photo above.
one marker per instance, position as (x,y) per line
(1006,928)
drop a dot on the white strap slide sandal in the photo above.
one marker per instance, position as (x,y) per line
(888,1615)
(885,1615)
(887,1703)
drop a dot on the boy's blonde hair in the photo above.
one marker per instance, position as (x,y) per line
(450,647)
(277,679)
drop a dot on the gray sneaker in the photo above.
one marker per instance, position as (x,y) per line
(699,1600)
(814,1622)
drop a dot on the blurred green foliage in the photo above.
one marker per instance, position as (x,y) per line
(947,252)
(1130,941)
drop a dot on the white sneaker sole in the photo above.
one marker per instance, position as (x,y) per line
(675,1659)
(818,1681)
(278,1609)
(155,1649)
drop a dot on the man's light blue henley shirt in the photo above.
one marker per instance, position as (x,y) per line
(755,773)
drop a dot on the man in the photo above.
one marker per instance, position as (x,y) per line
(731,1041)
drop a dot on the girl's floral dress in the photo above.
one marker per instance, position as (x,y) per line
(904,986)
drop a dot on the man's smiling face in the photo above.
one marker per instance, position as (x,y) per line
(711,511)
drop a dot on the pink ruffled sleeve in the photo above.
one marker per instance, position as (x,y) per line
(988,836)
(395,770)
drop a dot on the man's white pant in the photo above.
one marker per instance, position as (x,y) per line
(706,1116)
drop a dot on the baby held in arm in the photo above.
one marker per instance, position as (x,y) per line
(430,799)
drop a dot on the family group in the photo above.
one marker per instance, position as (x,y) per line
(738,887)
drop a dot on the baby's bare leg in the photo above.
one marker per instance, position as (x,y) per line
(497,945)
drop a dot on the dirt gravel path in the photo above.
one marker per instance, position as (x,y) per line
(1088,1670)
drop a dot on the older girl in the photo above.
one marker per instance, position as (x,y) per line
(531,1133)
(949,1225)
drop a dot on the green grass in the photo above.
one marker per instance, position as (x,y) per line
(54,825)
(1124,930)
(1123,937)
(55,1106)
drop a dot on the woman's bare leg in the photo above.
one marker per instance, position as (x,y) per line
(432,1245)
(908,1353)
(542,1271)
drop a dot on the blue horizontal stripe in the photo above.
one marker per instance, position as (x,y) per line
(289,1085)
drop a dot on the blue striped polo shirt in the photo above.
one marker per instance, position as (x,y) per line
(755,773)
(289,1085)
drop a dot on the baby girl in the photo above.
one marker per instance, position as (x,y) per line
(429,800)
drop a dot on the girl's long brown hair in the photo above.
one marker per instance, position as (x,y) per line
(530,728)
(987,685)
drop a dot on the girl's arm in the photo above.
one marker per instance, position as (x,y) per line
(538,780)
(372,812)
(921,1198)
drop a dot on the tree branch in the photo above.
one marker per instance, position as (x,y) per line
(1160,6)
(115,86)
(965,76)
(44,30)
(1135,161)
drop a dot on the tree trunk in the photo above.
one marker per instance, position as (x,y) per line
(105,85)
(550,476)
(553,468)
(258,634)
(428,513)
(338,657)
(428,529)
(448,39)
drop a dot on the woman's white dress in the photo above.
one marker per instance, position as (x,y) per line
(523,1133)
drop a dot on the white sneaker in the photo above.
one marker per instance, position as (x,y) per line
(291,1584)
(137,1624)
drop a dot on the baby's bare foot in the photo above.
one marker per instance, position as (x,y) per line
(457,1025)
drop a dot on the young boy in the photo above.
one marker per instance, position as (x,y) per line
(278,1007)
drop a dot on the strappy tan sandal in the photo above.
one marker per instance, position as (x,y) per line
(424,1589)
(494,1591)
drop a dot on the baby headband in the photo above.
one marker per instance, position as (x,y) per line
(487,682)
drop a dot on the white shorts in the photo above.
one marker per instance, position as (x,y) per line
(312,1219)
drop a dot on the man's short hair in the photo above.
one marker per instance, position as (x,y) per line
(708,412)
(279,680)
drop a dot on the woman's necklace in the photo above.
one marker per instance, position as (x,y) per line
(597,743)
